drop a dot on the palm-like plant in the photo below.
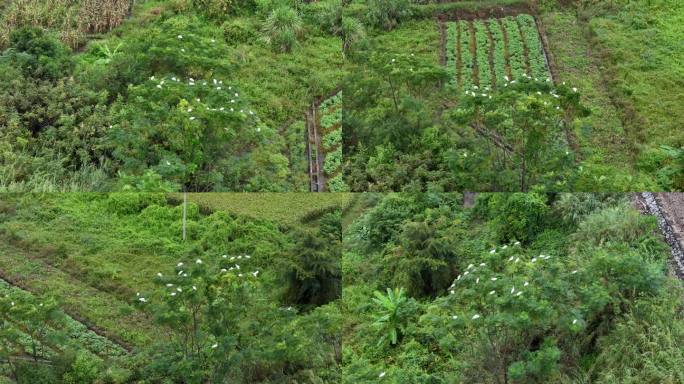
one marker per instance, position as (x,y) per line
(391,319)
(353,31)
(282,28)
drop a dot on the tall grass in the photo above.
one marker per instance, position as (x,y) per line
(73,20)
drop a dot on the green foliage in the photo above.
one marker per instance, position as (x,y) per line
(518,216)
(282,28)
(353,35)
(38,54)
(547,310)
(239,30)
(215,9)
(527,122)
(387,14)
(392,314)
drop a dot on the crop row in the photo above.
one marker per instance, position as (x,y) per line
(330,122)
(466,51)
(486,52)
(69,332)
(484,73)
(451,54)
(536,52)
(499,54)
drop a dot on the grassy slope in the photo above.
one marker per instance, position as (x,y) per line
(116,318)
(646,47)
(632,60)
(75,247)
(577,65)
(285,208)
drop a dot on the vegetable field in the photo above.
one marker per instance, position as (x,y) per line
(44,340)
(488,53)
(330,126)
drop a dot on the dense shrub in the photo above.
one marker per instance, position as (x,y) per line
(387,14)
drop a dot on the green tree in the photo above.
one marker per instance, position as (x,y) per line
(528,123)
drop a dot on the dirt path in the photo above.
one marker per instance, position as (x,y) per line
(668,208)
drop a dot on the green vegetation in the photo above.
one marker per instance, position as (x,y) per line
(181,95)
(287,208)
(330,123)
(118,266)
(400,100)
(519,288)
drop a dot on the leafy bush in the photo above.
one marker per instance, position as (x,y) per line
(387,14)
(129,203)
(282,28)
(239,30)
(518,216)
(38,54)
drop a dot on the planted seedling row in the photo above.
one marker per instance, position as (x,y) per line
(487,53)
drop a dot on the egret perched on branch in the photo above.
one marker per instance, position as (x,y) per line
(476,316)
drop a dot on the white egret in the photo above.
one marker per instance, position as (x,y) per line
(198,261)
(512,290)
(575,271)
(214,346)
(382,374)
(169,285)
(482,264)
(492,292)
(574,321)
(470,266)
(454,317)
(179,265)
(526,284)
(493,279)
(476,316)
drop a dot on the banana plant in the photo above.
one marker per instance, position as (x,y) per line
(390,319)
